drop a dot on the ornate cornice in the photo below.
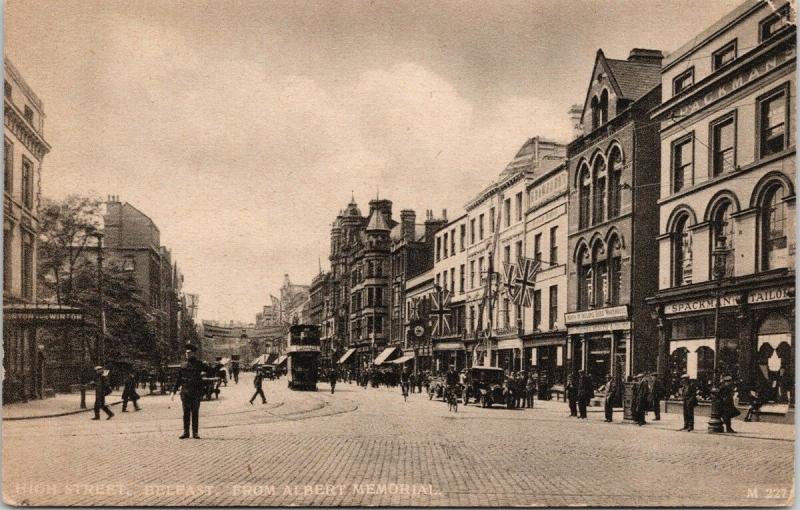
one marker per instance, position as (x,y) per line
(29,137)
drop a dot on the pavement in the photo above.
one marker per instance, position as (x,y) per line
(370,447)
(61,405)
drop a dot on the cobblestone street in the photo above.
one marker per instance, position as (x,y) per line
(368,447)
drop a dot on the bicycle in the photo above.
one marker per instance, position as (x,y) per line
(452,400)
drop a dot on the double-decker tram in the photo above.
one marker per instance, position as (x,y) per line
(303,355)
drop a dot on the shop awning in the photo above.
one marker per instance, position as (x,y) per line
(449,346)
(259,360)
(271,357)
(404,358)
(280,360)
(383,356)
(346,355)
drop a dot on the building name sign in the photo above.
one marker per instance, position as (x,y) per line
(772,294)
(303,348)
(548,189)
(614,312)
(600,328)
(699,305)
(739,80)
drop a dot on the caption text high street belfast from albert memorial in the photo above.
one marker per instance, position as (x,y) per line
(399,253)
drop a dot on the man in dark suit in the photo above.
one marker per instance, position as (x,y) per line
(571,390)
(728,409)
(585,392)
(611,395)
(641,399)
(129,393)
(257,384)
(101,390)
(190,382)
(689,397)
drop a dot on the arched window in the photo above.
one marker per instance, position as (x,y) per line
(584,279)
(603,107)
(614,183)
(722,230)
(595,113)
(681,252)
(599,184)
(600,268)
(774,245)
(584,197)
(614,270)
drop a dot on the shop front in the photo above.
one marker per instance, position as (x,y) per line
(599,342)
(508,354)
(753,342)
(449,353)
(545,355)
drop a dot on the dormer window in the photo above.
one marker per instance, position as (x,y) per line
(683,81)
(724,55)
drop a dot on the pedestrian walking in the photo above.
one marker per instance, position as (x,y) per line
(102,389)
(332,379)
(258,382)
(728,409)
(689,398)
(657,394)
(585,392)
(235,371)
(129,393)
(610,398)
(405,383)
(571,390)
(190,384)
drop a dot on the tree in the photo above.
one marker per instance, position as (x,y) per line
(66,228)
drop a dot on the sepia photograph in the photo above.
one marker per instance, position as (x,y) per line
(399,253)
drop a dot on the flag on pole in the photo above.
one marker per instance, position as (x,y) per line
(510,273)
(440,313)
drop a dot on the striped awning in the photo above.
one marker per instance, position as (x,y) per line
(346,355)
(403,359)
(384,355)
(280,360)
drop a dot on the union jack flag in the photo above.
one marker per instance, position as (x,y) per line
(416,308)
(525,280)
(510,273)
(440,313)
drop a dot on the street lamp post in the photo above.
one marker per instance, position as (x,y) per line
(719,253)
(101,339)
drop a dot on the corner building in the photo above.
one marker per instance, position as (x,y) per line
(613,179)
(727,184)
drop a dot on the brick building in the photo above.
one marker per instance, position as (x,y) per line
(613,180)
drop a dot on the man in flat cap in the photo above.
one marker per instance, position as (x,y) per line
(190,382)
(101,390)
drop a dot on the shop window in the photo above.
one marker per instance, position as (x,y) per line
(682,163)
(705,371)
(723,145)
(599,185)
(553,302)
(537,310)
(775,370)
(615,183)
(683,81)
(774,249)
(584,278)
(678,366)
(773,118)
(27,183)
(724,233)
(681,252)
(584,198)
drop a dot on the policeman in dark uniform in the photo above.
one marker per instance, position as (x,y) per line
(190,382)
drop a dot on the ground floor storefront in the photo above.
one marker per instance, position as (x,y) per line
(599,342)
(449,353)
(749,336)
(545,355)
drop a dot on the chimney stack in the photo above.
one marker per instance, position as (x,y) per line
(444,214)
(407,221)
(645,56)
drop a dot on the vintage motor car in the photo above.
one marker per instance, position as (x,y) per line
(438,386)
(485,385)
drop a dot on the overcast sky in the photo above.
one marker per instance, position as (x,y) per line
(241,128)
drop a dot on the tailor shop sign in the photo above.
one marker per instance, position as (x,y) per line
(698,305)
(739,80)
(773,294)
